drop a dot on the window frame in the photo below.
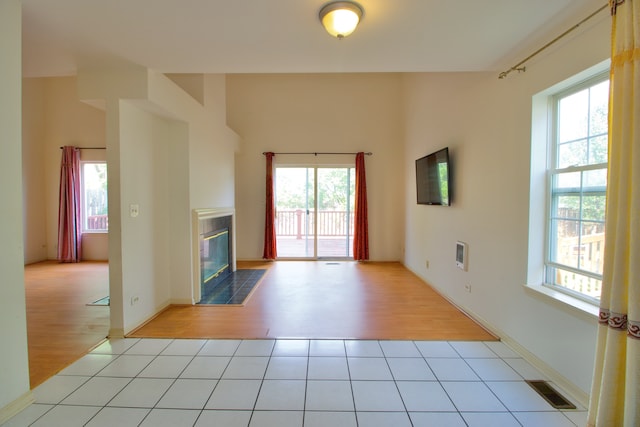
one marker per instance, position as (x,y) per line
(83,212)
(553,171)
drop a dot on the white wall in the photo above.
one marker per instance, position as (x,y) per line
(14,375)
(145,240)
(323,113)
(486,123)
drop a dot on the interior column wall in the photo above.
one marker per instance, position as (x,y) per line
(167,154)
(14,375)
(144,182)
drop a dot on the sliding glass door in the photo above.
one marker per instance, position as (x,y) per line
(314,212)
(295,206)
(336,189)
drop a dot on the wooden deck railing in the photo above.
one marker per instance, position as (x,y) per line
(297,223)
(589,251)
(98,222)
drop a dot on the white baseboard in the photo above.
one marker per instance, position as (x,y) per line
(554,376)
(575,392)
(16,406)
(557,378)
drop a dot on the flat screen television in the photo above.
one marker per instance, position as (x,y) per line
(433,177)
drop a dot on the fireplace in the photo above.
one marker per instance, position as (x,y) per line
(214,256)
(214,260)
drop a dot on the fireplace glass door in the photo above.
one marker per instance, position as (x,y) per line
(214,255)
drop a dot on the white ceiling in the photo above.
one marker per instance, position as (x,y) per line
(285,36)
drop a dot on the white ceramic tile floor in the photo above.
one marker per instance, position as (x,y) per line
(183,348)
(410,369)
(246,367)
(435,349)
(440,419)
(220,348)
(329,396)
(287,368)
(301,383)
(165,367)
(327,348)
(206,367)
(88,365)
(324,419)
(452,370)
(400,349)
(126,366)
(142,393)
(357,348)
(328,368)
(291,348)
(369,368)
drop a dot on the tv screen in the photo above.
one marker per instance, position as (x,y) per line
(432,178)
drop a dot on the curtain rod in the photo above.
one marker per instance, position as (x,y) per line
(88,148)
(521,69)
(315,154)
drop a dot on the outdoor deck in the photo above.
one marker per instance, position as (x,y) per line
(328,247)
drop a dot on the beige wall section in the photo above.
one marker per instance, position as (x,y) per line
(70,122)
(14,374)
(193,84)
(33,170)
(54,116)
(309,113)
(486,122)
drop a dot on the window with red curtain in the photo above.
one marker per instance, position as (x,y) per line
(269,251)
(361,221)
(69,222)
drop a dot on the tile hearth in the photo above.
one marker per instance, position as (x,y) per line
(233,289)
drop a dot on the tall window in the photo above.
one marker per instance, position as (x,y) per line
(94,197)
(578,183)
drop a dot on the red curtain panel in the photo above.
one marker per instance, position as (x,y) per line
(270,251)
(69,226)
(361,223)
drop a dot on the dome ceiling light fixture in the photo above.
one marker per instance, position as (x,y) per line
(340,18)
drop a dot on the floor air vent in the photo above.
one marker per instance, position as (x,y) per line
(549,394)
(332,263)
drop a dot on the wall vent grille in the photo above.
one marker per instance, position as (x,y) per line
(550,394)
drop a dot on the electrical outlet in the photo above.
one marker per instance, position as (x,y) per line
(134,210)
(427,264)
(467,287)
(135,299)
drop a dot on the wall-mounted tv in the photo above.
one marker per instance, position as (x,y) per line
(433,177)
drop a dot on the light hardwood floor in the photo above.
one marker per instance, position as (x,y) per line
(61,328)
(299,299)
(294,299)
